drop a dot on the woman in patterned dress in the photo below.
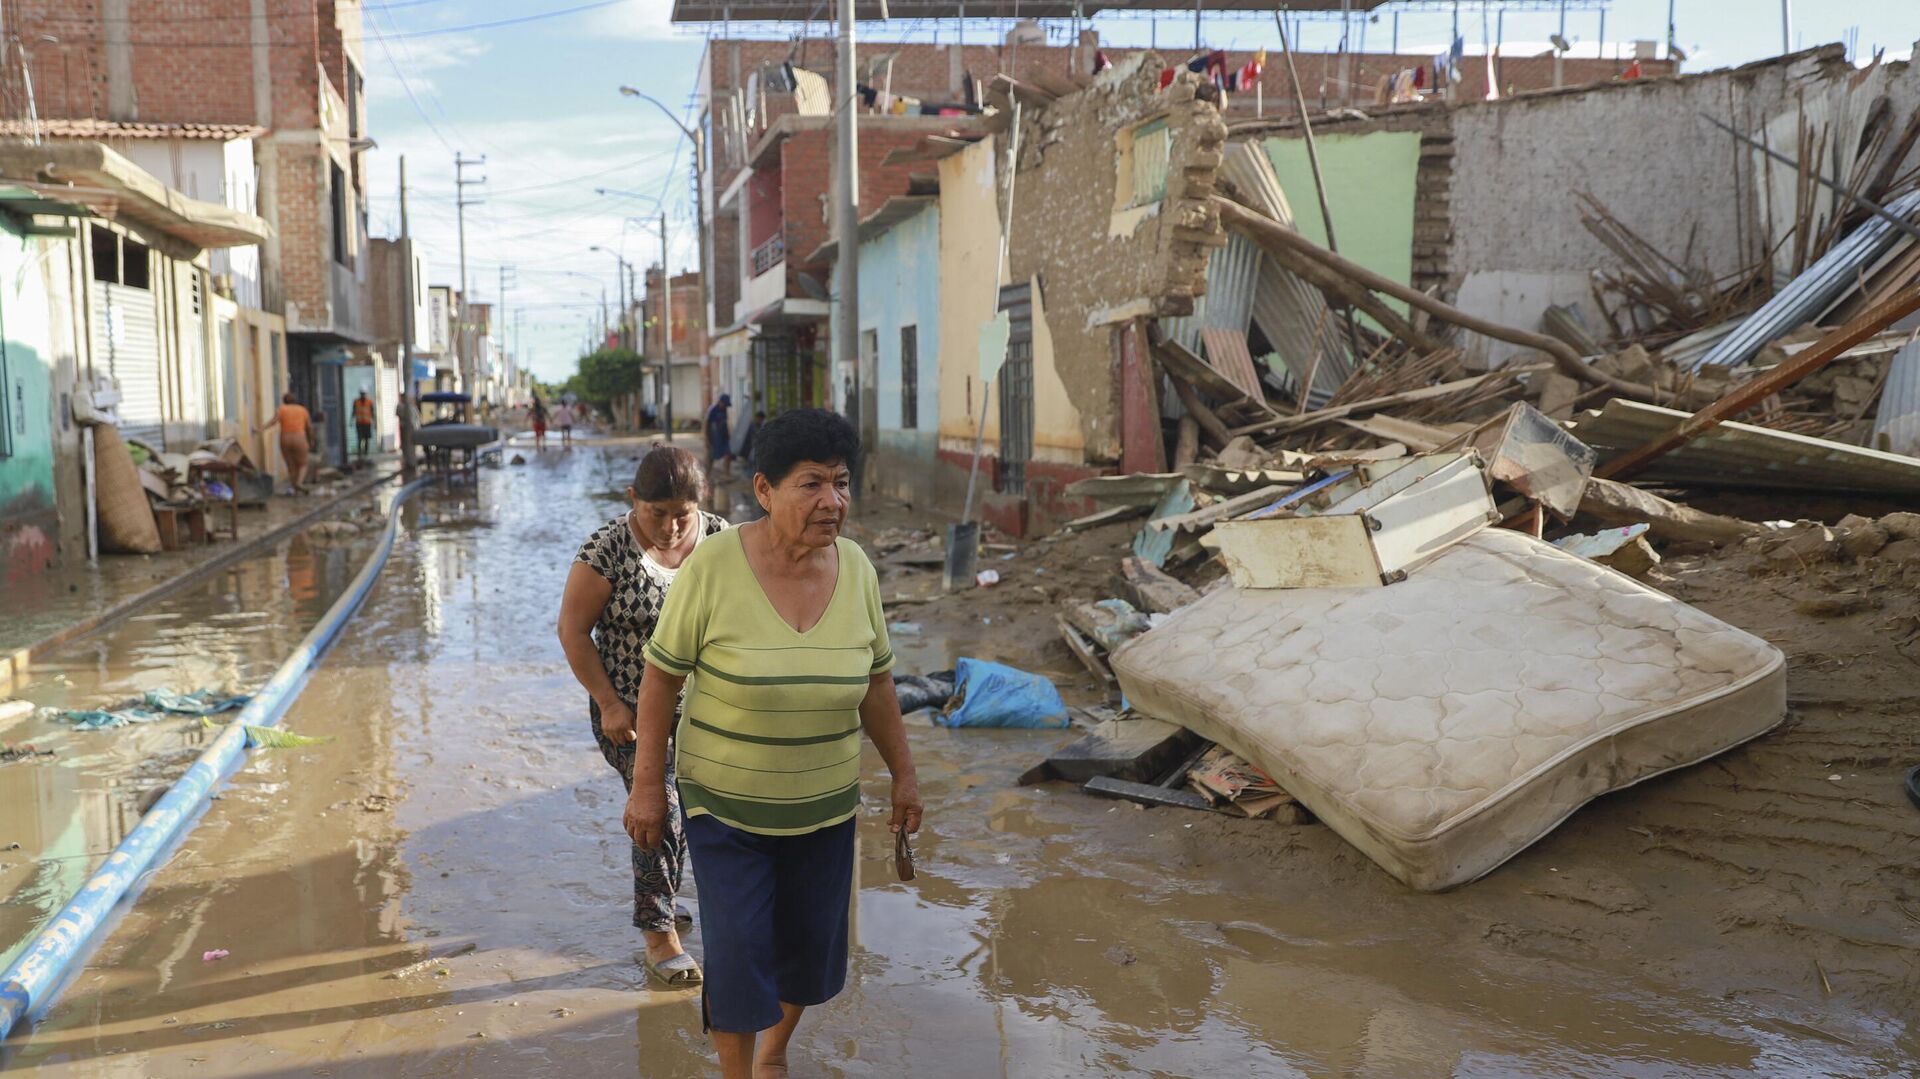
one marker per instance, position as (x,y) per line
(613,598)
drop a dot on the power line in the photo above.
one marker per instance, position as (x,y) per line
(408,87)
(434,32)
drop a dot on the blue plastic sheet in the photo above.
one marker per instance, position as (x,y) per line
(995,695)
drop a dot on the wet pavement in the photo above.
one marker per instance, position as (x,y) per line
(462,804)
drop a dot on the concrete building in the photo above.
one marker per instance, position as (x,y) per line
(691,378)
(290,70)
(398,297)
(109,316)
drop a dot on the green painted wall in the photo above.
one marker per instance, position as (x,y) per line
(1370,187)
(26,472)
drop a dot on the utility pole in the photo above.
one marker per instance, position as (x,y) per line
(663,389)
(460,204)
(846,215)
(1786,26)
(409,388)
(500,321)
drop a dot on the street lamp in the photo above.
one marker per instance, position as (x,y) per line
(665,387)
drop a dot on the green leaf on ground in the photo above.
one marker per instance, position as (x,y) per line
(275,738)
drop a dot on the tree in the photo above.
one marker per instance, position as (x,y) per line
(605,374)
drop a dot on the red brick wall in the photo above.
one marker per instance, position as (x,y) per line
(763,205)
(304,226)
(724,250)
(807,182)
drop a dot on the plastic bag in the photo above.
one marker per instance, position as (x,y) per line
(994,695)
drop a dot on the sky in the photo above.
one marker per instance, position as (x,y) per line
(570,163)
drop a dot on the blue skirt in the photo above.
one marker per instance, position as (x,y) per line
(773,919)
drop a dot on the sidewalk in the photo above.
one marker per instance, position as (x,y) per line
(77,598)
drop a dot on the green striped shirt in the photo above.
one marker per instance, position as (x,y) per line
(769,739)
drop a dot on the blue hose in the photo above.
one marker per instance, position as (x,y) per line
(39,972)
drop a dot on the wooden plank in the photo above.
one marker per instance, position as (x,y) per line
(1083,650)
(1146,794)
(1287,424)
(1150,588)
(1136,749)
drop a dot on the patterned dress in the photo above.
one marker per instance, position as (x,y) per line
(639,590)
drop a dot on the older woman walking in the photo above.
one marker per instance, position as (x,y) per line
(775,629)
(613,597)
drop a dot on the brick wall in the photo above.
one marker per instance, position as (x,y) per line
(807,185)
(724,250)
(689,325)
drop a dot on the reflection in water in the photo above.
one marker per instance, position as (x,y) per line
(66,812)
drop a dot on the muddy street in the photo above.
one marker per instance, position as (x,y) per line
(441,889)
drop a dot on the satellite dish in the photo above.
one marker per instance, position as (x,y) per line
(812,286)
(1560,43)
(1676,53)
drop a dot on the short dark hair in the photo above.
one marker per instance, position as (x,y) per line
(669,474)
(804,434)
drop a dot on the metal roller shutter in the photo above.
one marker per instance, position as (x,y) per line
(125,333)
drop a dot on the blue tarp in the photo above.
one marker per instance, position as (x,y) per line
(995,695)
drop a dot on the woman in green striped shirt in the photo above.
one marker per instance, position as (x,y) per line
(775,630)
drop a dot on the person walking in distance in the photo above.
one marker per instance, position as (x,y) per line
(296,433)
(563,422)
(363,423)
(613,598)
(719,440)
(538,415)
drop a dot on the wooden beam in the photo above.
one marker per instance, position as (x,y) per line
(1750,393)
(1287,424)
(1305,251)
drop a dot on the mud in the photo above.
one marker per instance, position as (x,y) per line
(1747,916)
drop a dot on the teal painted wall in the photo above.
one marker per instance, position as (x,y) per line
(29,523)
(1370,189)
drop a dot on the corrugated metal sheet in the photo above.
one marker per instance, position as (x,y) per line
(1290,313)
(1227,352)
(1897,427)
(1809,294)
(1741,455)
(1228,303)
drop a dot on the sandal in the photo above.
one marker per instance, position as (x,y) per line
(679,972)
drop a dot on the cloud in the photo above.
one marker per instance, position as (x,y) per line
(636,20)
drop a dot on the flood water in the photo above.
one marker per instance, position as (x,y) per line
(462,816)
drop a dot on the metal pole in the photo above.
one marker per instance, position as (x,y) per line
(1197,5)
(1313,161)
(1559,54)
(846,221)
(409,388)
(1670,4)
(460,204)
(663,390)
(1786,26)
(700,231)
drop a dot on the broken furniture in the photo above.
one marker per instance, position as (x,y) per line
(1446,723)
(1367,528)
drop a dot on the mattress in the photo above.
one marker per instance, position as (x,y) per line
(1446,722)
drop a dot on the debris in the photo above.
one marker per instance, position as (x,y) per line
(1625,549)
(15,708)
(904,629)
(1134,748)
(987,578)
(1151,588)
(1084,650)
(1616,503)
(1153,545)
(517,459)
(1113,515)
(1146,794)
(275,738)
(1702,424)
(923,691)
(1110,623)
(1861,537)
(1144,489)
(431,962)
(213,955)
(1372,532)
(1538,458)
(24,751)
(1228,780)
(151,706)
(995,695)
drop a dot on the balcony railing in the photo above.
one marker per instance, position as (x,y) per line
(770,254)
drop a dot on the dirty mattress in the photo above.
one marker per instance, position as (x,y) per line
(1444,723)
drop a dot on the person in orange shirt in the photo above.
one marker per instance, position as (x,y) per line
(296,434)
(363,422)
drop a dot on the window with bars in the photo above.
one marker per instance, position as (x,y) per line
(1016,392)
(909,377)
